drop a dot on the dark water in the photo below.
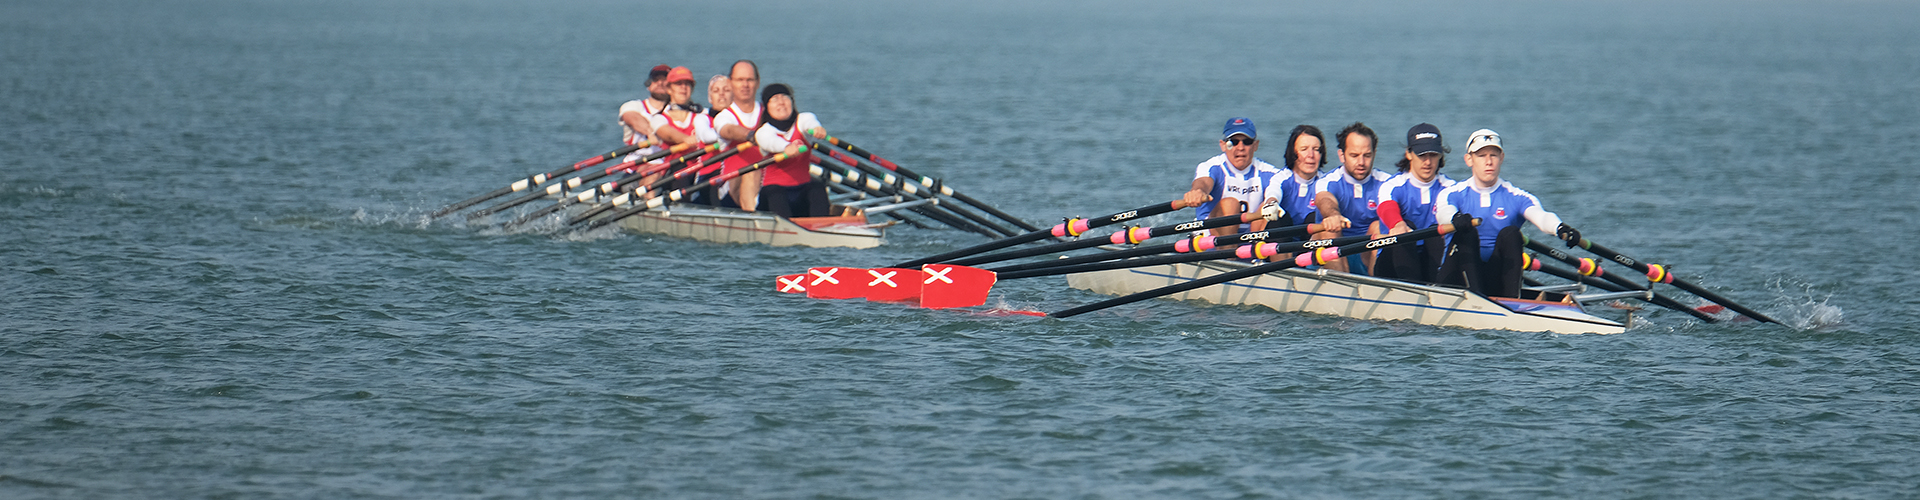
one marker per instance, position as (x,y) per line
(220,280)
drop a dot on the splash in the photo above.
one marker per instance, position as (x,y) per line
(1803,308)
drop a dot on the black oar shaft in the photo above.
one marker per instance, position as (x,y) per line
(1117,264)
(910,188)
(1072,227)
(678,194)
(534,180)
(1612,282)
(932,183)
(558,189)
(1637,265)
(859,177)
(628,191)
(1248,272)
(1107,239)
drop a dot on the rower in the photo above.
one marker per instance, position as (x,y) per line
(682,122)
(1487,259)
(1406,203)
(719,98)
(1292,195)
(1231,183)
(636,115)
(736,125)
(1346,198)
(789,190)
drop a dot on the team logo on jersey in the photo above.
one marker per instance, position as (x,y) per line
(1373,205)
(1500,213)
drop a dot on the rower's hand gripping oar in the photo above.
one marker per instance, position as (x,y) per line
(1193,244)
(531,181)
(931,183)
(1072,227)
(679,194)
(1317,257)
(1660,274)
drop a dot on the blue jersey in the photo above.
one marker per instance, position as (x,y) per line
(1504,206)
(1357,198)
(1416,201)
(1231,185)
(1295,197)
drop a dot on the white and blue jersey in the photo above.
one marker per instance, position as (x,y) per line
(1232,185)
(1416,200)
(1295,197)
(1497,208)
(1358,198)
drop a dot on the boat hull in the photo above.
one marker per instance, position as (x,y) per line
(734,226)
(1341,294)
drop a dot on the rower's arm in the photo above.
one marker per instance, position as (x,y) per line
(1200,192)
(735,133)
(637,122)
(1546,222)
(1329,210)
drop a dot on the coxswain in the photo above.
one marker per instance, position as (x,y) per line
(636,116)
(1487,259)
(1233,182)
(1293,194)
(684,121)
(1405,203)
(736,125)
(787,188)
(1346,198)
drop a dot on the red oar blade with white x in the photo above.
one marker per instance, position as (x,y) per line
(836,282)
(944,286)
(891,284)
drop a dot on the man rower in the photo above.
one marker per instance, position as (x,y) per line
(1346,198)
(1234,181)
(636,116)
(1293,194)
(1406,203)
(1486,259)
(682,122)
(736,125)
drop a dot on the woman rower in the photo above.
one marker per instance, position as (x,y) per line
(787,188)
(682,122)
(1405,203)
(1293,195)
(1487,259)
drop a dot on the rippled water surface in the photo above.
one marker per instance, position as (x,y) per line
(221,280)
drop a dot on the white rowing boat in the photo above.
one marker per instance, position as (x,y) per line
(1342,294)
(720,225)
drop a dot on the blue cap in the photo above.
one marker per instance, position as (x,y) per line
(1238,125)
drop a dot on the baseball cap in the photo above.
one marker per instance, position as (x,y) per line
(1238,125)
(680,74)
(658,72)
(1483,138)
(1424,138)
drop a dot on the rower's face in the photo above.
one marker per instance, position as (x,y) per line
(780,107)
(720,93)
(1486,164)
(1423,167)
(745,83)
(1240,149)
(682,92)
(1307,149)
(1358,156)
(657,87)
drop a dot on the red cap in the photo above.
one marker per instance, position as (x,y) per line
(680,74)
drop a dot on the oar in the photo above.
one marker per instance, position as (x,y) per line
(1074,227)
(1660,274)
(1245,252)
(610,187)
(838,183)
(557,189)
(931,183)
(536,180)
(872,184)
(1131,235)
(678,194)
(1197,244)
(629,191)
(908,188)
(1320,257)
(1590,269)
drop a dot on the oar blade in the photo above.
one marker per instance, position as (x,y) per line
(892,284)
(945,286)
(835,283)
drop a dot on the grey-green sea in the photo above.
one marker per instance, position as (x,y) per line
(221,280)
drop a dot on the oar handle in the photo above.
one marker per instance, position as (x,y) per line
(678,194)
(1072,226)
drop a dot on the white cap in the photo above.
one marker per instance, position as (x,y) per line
(1483,138)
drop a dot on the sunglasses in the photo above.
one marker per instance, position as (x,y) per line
(1240,141)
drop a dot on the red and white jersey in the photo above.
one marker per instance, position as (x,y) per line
(648,110)
(697,125)
(793,171)
(748,118)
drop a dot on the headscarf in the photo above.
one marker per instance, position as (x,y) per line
(766,95)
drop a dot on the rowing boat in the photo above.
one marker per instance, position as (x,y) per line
(1362,297)
(722,225)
